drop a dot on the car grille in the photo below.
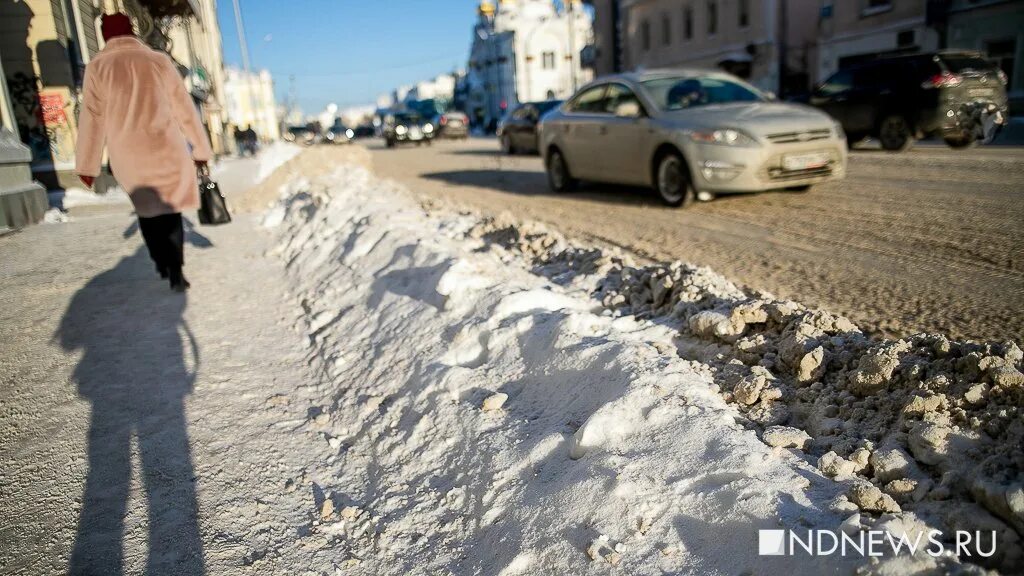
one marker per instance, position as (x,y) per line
(776,174)
(804,136)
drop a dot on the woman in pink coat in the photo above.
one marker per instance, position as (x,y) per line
(136,104)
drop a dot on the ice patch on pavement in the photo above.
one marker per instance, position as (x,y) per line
(497,418)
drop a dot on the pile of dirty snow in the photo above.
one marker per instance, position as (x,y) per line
(922,424)
(498,400)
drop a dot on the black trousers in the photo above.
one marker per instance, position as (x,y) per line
(165,239)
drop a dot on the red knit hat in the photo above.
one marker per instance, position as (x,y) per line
(115,25)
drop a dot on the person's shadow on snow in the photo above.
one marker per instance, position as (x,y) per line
(136,352)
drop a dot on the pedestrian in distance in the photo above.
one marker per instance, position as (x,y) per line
(135,103)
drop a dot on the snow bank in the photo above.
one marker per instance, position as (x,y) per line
(606,447)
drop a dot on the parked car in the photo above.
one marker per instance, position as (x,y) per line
(688,134)
(957,96)
(517,131)
(407,127)
(301,134)
(339,134)
(452,124)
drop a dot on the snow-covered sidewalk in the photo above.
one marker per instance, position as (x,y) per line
(88,324)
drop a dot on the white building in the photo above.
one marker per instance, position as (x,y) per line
(250,102)
(524,51)
(441,88)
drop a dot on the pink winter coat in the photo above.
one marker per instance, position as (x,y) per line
(135,102)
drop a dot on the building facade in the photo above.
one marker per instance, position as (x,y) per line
(249,99)
(852,31)
(770,43)
(525,50)
(195,44)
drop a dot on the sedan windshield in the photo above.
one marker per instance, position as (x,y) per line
(677,93)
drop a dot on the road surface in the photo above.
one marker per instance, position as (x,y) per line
(928,240)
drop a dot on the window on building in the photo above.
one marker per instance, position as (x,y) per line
(905,38)
(548,59)
(666,29)
(875,7)
(712,17)
(744,14)
(688,23)
(645,35)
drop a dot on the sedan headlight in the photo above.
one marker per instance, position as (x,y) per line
(330,135)
(400,129)
(428,128)
(722,136)
(350,133)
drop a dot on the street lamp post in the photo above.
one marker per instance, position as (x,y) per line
(244,47)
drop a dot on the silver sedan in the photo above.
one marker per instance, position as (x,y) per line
(689,134)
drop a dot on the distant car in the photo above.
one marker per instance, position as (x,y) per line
(958,96)
(689,134)
(517,131)
(407,127)
(339,134)
(364,131)
(300,135)
(452,125)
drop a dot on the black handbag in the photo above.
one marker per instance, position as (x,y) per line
(213,209)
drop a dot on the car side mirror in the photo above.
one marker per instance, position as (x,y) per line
(628,110)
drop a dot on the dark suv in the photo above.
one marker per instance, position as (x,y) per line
(958,96)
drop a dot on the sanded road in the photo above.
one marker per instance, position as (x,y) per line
(928,240)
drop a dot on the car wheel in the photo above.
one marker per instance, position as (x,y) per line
(559,177)
(673,181)
(960,142)
(894,133)
(506,145)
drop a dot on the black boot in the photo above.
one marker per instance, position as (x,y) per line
(178,281)
(162,271)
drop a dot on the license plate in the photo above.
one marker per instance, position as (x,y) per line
(805,161)
(980,92)
(455,122)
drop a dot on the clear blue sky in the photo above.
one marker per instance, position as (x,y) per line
(349,51)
